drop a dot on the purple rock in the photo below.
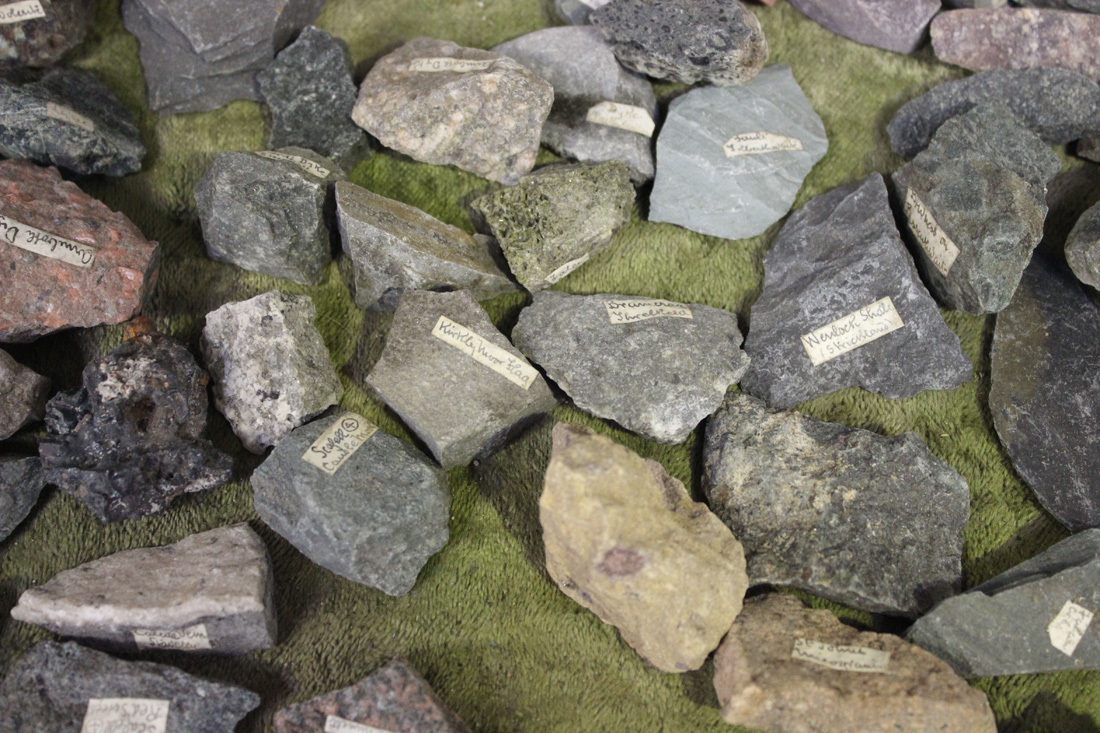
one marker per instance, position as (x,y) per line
(896,25)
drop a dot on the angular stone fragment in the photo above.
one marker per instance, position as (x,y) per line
(896,25)
(211,592)
(1080,6)
(577,11)
(1089,148)
(271,369)
(68,260)
(23,394)
(441,103)
(731,160)
(40,32)
(1082,249)
(21,482)
(625,540)
(843,305)
(825,507)
(958,4)
(453,377)
(788,668)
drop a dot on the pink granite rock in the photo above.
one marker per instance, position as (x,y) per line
(896,25)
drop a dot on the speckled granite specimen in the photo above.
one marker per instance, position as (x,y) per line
(21,483)
(40,33)
(23,394)
(1082,248)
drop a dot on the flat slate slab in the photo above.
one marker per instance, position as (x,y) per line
(23,394)
(39,33)
(895,25)
(21,483)
(1082,248)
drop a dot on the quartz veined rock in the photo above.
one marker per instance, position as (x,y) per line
(554,219)
(40,32)
(1082,249)
(271,369)
(825,507)
(730,160)
(23,394)
(843,305)
(21,483)
(653,366)
(896,25)
(441,103)
(68,260)
(212,592)
(788,668)
(268,211)
(625,540)
(454,378)
(395,247)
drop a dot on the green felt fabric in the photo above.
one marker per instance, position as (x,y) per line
(485,625)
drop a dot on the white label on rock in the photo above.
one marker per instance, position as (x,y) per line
(629,311)
(513,368)
(567,268)
(933,240)
(623,116)
(339,442)
(19,12)
(72,117)
(192,638)
(43,243)
(841,658)
(1069,627)
(334,724)
(856,329)
(126,715)
(314,169)
(758,143)
(449,64)
(595,4)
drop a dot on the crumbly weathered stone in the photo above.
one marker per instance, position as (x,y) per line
(23,394)
(42,41)
(896,25)
(21,483)
(1082,248)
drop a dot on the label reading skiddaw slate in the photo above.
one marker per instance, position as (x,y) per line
(630,311)
(43,243)
(567,268)
(69,116)
(339,442)
(305,164)
(19,12)
(856,329)
(192,638)
(511,367)
(841,658)
(933,240)
(623,116)
(1068,628)
(126,715)
(758,143)
(449,64)
(334,724)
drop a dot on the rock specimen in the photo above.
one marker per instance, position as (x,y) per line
(68,260)
(1082,249)
(554,220)
(788,668)
(825,507)
(731,160)
(1035,617)
(130,440)
(65,687)
(625,540)
(974,204)
(395,247)
(453,377)
(40,32)
(1089,148)
(716,41)
(441,103)
(843,305)
(210,592)
(578,11)
(21,482)
(394,697)
(896,25)
(23,394)
(653,366)
(1080,6)
(271,369)
(200,54)
(266,211)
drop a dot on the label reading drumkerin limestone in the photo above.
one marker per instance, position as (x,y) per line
(304,163)
(567,268)
(19,12)
(1069,627)
(856,329)
(758,143)
(512,367)
(192,638)
(841,658)
(43,243)
(69,116)
(623,116)
(629,311)
(933,240)
(339,725)
(449,64)
(339,442)
(126,715)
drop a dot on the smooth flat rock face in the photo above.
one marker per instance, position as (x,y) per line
(453,377)
(23,394)
(129,440)
(789,668)
(653,366)
(40,33)
(21,483)
(1082,248)
(271,369)
(731,160)
(266,211)
(843,305)
(68,260)
(211,592)
(625,540)
(896,25)
(441,103)
(824,507)
(356,501)
(395,247)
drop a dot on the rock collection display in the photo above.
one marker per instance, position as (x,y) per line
(21,483)
(1082,249)
(23,394)
(38,33)
(896,25)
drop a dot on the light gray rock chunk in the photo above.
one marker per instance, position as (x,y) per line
(1082,249)
(577,11)
(21,483)
(896,25)
(23,394)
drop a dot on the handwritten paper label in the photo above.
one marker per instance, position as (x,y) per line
(512,367)
(623,116)
(758,143)
(933,240)
(841,658)
(126,715)
(1069,627)
(856,329)
(567,268)
(339,442)
(449,64)
(189,639)
(629,311)
(43,243)
(314,169)
(339,725)
(69,116)
(19,12)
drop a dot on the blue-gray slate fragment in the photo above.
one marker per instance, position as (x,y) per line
(21,483)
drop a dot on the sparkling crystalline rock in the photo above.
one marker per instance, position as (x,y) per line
(1082,248)
(40,32)
(896,25)
(23,394)
(21,483)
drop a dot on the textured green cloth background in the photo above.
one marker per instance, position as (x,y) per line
(484,624)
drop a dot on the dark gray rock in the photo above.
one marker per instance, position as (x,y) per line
(896,25)
(1089,148)
(1080,6)
(835,262)
(1082,249)
(824,507)
(21,483)
(959,4)
(40,32)
(23,394)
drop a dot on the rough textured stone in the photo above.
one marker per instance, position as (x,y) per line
(834,261)
(825,507)
(23,394)
(271,369)
(42,41)
(441,386)
(484,117)
(1082,249)
(577,11)
(761,683)
(958,4)
(553,220)
(21,483)
(155,597)
(625,540)
(896,25)
(774,136)
(41,293)
(1080,6)
(1089,148)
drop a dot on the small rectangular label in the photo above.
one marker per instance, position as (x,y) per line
(630,311)
(339,442)
(758,143)
(307,165)
(126,715)
(43,243)
(933,240)
(840,658)
(567,268)
(334,724)
(513,368)
(449,64)
(623,116)
(192,638)
(19,12)
(1068,628)
(856,329)
(69,116)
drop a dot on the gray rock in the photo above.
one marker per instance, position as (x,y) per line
(212,592)
(824,507)
(356,501)
(730,161)
(1082,249)
(269,211)
(68,118)
(23,394)
(21,483)
(576,12)
(453,377)
(821,323)
(39,34)
(441,103)
(655,367)
(960,4)
(271,369)
(896,25)
(1080,6)
(1089,148)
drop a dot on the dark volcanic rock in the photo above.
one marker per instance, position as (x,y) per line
(23,394)
(1082,249)
(896,25)
(40,32)
(21,483)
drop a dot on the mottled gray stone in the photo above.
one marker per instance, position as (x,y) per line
(701,188)
(43,41)
(824,507)
(1082,249)
(23,394)
(21,483)
(896,25)
(835,258)
(1080,6)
